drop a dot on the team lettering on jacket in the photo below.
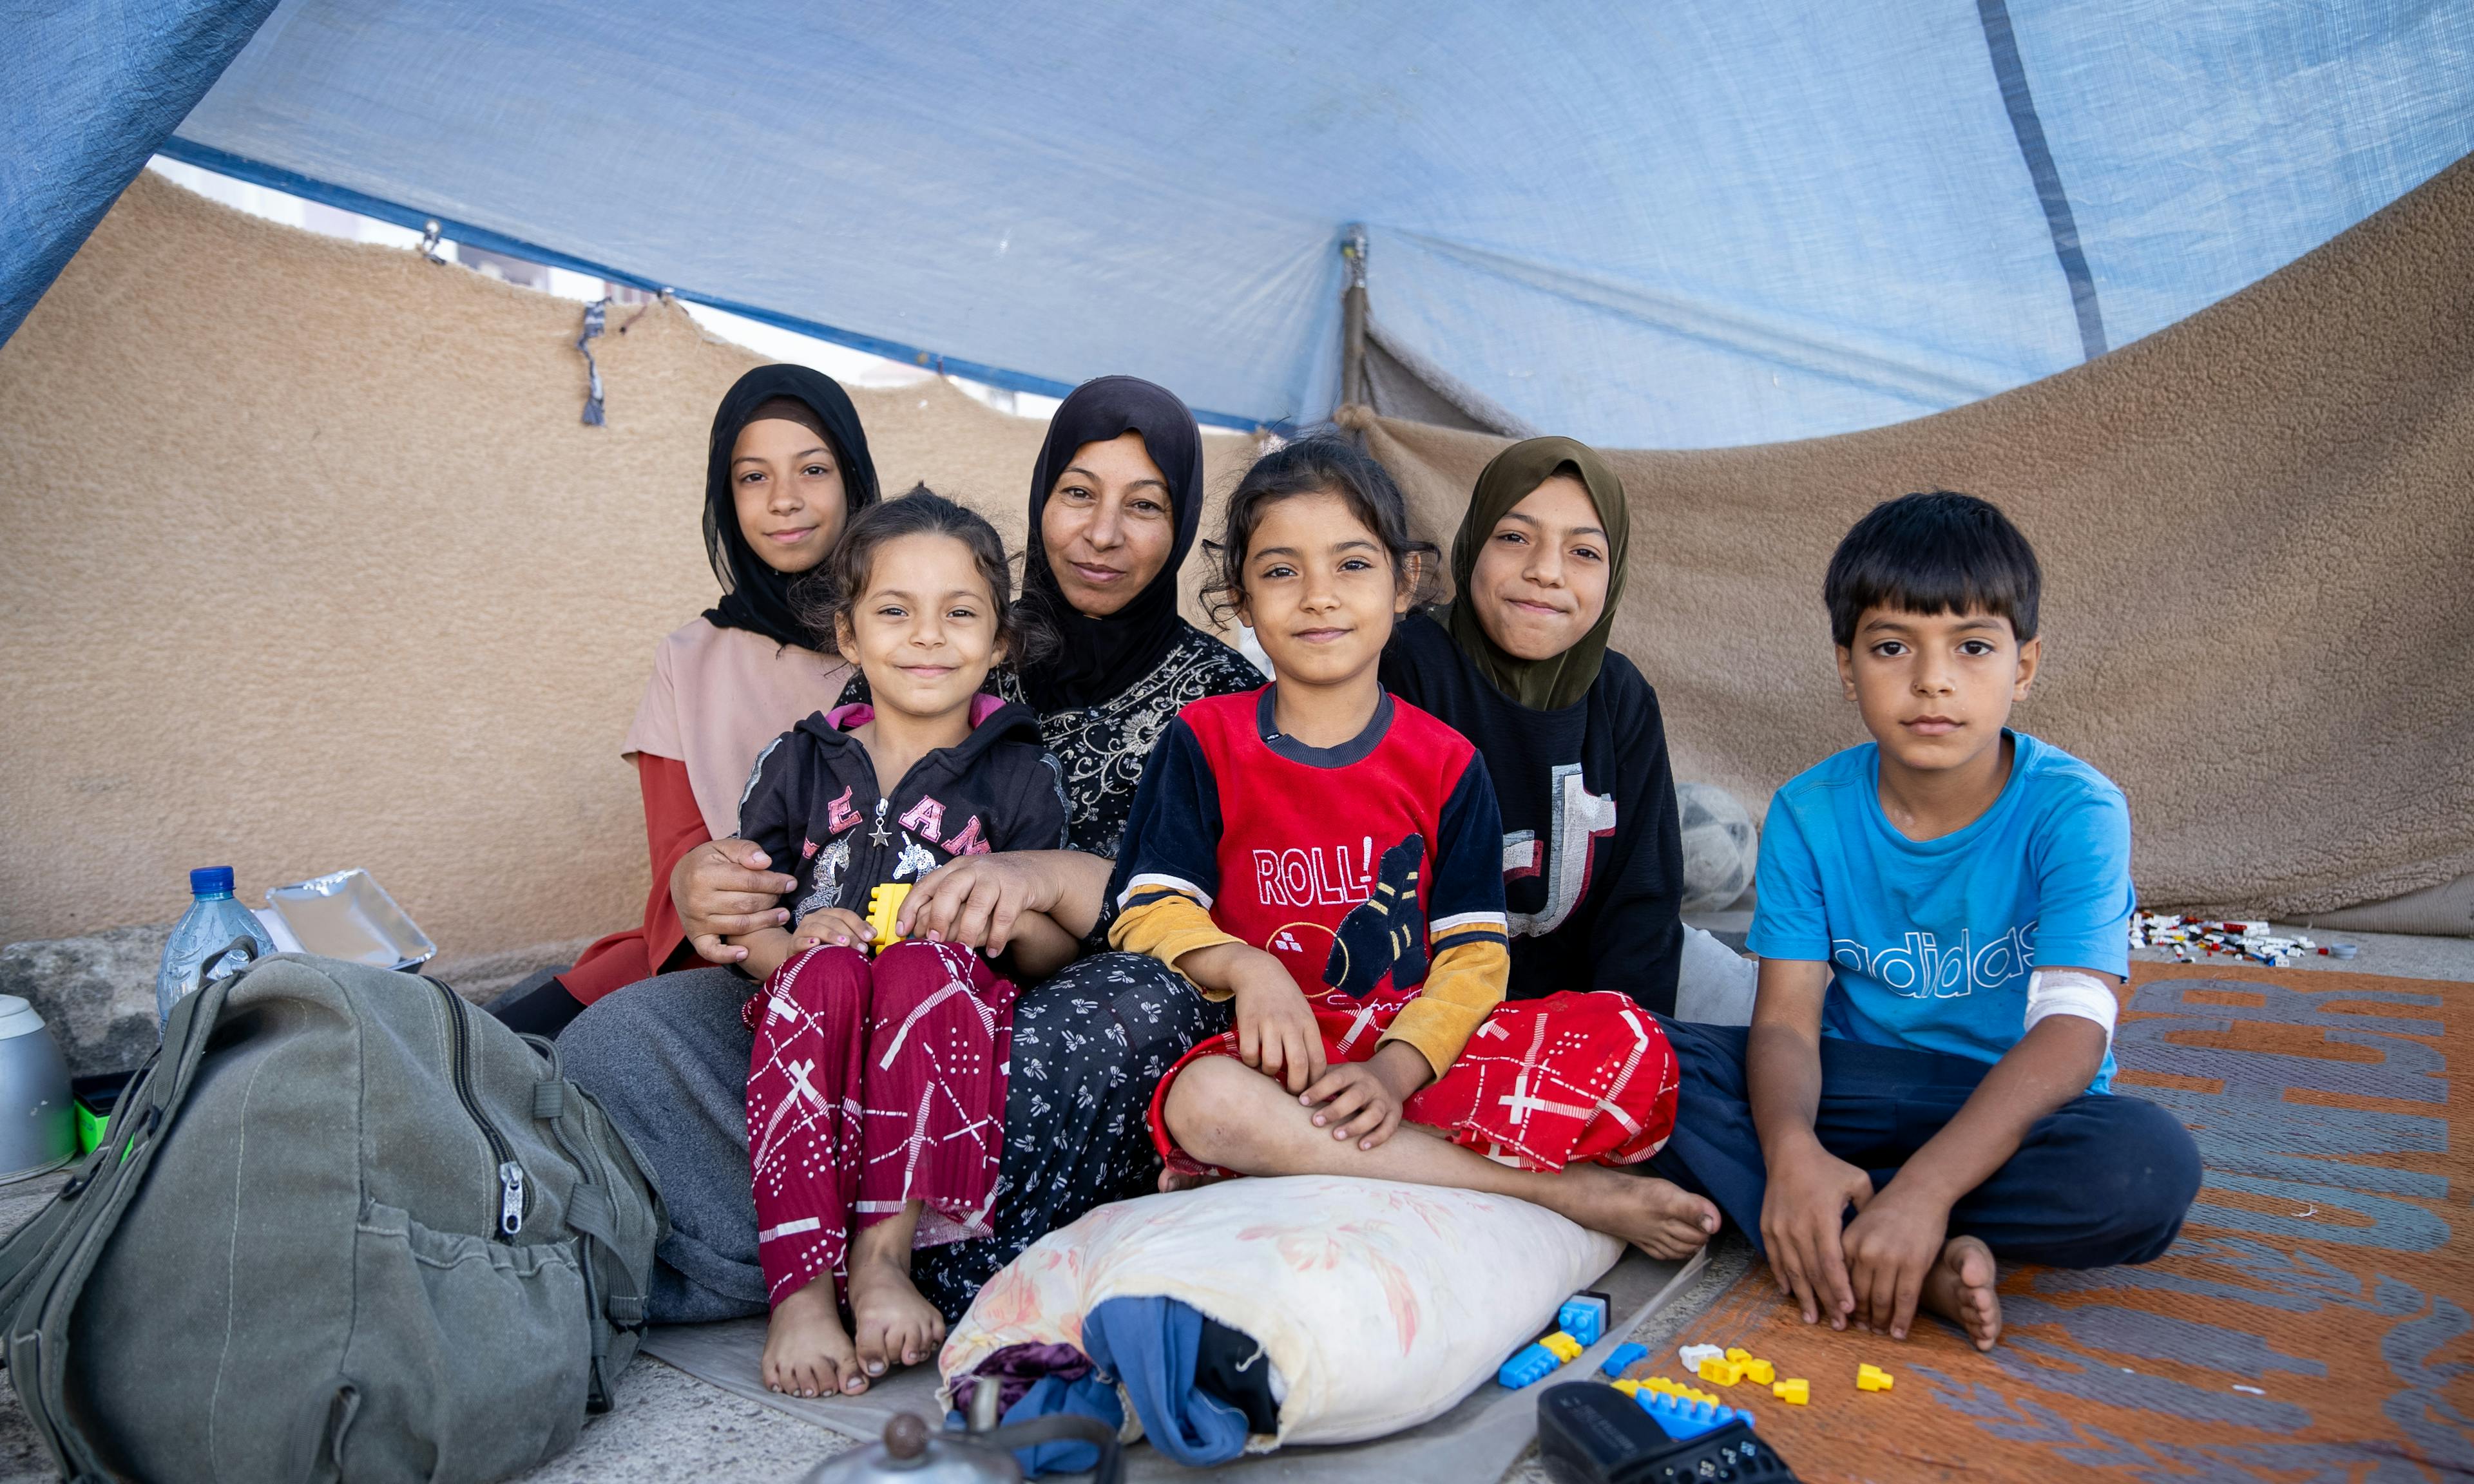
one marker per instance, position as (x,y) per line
(1316,875)
(924,820)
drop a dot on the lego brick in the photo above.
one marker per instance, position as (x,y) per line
(1565,1347)
(884,907)
(1624,1356)
(1760,1373)
(1872,1377)
(1722,1370)
(1529,1365)
(1693,1354)
(1795,1392)
(1584,1317)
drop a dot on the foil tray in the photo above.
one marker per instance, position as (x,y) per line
(347,915)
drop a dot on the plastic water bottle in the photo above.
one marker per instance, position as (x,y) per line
(211,922)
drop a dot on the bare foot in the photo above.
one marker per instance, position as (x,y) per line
(806,1353)
(1959,1289)
(892,1323)
(1658,1217)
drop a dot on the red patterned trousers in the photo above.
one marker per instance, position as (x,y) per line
(1572,1078)
(873,1084)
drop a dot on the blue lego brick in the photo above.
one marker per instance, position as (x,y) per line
(1583,1317)
(1528,1365)
(1625,1355)
(1681,1417)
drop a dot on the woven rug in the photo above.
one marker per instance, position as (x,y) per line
(2310,1323)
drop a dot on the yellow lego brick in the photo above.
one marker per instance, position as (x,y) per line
(1796,1392)
(1629,1388)
(884,906)
(1565,1348)
(1872,1377)
(1738,1355)
(1725,1373)
(1761,1372)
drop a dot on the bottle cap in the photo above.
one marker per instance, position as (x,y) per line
(206,879)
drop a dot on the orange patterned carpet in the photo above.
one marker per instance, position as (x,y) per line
(2310,1325)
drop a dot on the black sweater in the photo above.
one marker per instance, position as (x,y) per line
(1592,857)
(813,797)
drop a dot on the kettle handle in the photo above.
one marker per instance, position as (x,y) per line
(1065,1427)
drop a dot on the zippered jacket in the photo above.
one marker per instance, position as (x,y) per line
(812,801)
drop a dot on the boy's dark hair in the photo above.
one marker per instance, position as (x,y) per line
(1317,463)
(1937,553)
(831,592)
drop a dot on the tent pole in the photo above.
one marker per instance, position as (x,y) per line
(1353,389)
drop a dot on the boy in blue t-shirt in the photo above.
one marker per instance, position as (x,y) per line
(1943,914)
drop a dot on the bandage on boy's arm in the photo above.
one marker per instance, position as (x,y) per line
(1167,924)
(1473,963)
(2071,991)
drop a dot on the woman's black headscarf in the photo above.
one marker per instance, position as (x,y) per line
(1100,658)
(754,596)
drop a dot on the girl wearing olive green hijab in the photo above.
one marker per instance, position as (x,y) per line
(1519,664)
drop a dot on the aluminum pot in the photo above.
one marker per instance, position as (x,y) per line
(37,1116)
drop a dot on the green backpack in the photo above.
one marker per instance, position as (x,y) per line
(342,1226)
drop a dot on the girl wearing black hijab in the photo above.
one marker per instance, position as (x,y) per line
(1519,664)
(1116,500)
(786,467)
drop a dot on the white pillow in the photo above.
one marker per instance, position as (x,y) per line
(1379,1304)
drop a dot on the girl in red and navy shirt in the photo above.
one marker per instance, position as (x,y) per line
(1331,858)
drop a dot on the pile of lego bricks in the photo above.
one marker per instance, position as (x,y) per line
(2195,940)
(2310,1322)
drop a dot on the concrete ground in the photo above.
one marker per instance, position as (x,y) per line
(670,1426)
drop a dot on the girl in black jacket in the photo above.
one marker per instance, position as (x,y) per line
(876,1092)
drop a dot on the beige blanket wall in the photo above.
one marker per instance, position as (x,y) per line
(2257,529)
(309,563)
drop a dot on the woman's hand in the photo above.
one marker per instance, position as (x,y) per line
(722,889)
(975,899)
(1365,1098)
(1276,1034)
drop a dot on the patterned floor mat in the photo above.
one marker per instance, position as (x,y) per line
(2310,1325)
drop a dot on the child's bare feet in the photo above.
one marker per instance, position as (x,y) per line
(1658,1217)
(1176,1179)
(891,1325)
(806,1353)
(1959,1289)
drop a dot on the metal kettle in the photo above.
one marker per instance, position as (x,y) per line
(911,1452)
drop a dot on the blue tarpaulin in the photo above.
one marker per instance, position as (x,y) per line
(1682,225)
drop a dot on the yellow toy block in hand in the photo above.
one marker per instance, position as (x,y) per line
(1872,1377)
(1562,1347)
(884,906)
(1760,1373)
(1796,1392)
(1722,1370)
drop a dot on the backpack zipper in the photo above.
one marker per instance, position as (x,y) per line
(512,1197)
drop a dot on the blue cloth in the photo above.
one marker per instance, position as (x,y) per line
(89,89)
(1699,224)
(1933,941)
(1087,1396)
(2098,1180)
(1149,1345)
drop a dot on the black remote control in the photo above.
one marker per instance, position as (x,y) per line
(1593,1434)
